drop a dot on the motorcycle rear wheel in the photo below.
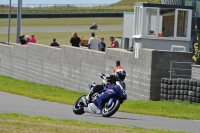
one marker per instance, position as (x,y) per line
(78,107)
(108,111)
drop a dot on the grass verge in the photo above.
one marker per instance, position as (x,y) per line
(176,109)
(20,123)
(63,38)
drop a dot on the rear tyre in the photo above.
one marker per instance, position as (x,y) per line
(108,111)
(78,107)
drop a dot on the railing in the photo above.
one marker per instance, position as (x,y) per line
(173,71)
(63,8)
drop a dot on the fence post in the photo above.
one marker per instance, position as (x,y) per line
(171,69)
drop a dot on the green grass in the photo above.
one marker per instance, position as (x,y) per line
(14,122)
(176,109)
(63,38)
(37,91)
(57,22)
(121,6)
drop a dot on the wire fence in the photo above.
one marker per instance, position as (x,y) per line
(67,8)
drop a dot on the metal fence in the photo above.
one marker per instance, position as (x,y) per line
(180,69)
(62,8)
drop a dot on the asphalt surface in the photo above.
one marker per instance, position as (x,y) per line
(4,30)
(34,107)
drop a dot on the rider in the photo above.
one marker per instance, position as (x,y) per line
(119,75)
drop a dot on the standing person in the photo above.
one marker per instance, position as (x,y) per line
(27,38)
(117,67)
(93,42)
(23,36)
(114,43)
(75,40)
(54,43)
(32,39)
(102,45)
(22,40)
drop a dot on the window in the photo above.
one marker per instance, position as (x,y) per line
(138,20)
(188,2)
(136,15)
(166,28)
(182,23)
(198,8)
(151,23)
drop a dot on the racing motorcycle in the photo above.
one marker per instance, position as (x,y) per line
(94,27)
(105,102)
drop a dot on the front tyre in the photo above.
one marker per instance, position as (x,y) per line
(78,107)
(108,111)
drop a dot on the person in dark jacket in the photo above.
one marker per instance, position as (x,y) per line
(102,45)
(22,40)
(54,43)
(75,40)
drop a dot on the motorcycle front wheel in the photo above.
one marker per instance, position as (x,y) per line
(108,111)
(78,107)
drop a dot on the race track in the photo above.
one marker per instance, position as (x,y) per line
(34,107)
(4,30)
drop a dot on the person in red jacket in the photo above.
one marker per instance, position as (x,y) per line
(32,39)
(114,43)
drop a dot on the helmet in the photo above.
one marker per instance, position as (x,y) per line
(120,74)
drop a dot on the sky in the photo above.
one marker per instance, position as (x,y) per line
(60,1)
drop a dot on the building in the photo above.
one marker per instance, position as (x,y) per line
(184,36)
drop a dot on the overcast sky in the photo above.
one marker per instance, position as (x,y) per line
(61,1)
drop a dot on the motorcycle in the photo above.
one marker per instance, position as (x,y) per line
(105,102)
(94,26)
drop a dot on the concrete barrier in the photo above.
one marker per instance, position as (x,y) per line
(72,68)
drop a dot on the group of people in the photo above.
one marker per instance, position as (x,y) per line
(94,43)
(25,40)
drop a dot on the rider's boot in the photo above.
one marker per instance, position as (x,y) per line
(88,97)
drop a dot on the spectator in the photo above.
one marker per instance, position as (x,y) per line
(54,43)
(93,42)
(75,40)
(102,45)
(22,40)
(27,38)
(114,43)
(23,36)
(117,67)
(32,39)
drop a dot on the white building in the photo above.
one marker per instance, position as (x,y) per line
(158,26)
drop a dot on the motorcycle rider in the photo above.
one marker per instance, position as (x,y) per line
(119,75)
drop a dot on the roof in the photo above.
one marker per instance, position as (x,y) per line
(163,6)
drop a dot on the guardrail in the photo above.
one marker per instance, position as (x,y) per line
(173,71)
(66,8)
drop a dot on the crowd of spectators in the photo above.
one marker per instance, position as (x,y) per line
(94,43)
(25,40)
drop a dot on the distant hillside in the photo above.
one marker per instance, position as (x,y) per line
(130,2)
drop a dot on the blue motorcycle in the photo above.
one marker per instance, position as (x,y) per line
(105,102)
